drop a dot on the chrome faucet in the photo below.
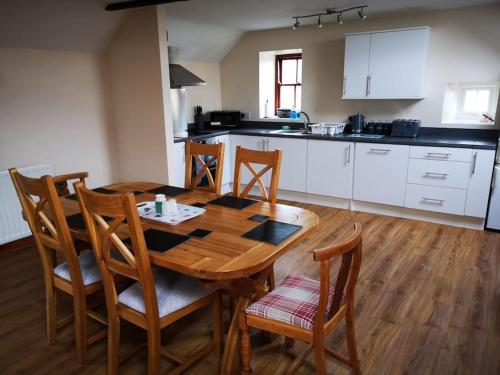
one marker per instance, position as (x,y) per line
(306,122)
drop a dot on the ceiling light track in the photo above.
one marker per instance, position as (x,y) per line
(361,10)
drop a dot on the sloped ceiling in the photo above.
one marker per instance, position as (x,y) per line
(204,30)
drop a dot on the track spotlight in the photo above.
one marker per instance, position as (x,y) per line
(360,9)
(362,14)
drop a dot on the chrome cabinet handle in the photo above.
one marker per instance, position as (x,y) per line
(379,150)
(349,154)
(343,85)
(435,175)
(474,159)
(433,201)
(438,155)
(368,84)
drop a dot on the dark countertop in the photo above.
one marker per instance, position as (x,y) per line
(437,137)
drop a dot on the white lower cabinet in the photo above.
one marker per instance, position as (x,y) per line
(293,163)
(434,198)
(380,173)
(479,182)
(252,143)
(438,173)
(330,168)
(227,171)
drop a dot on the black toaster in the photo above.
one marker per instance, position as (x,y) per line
(405,128)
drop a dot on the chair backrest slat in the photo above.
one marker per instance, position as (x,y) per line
(204,157)
(270,160)
(109,241)
(350,252)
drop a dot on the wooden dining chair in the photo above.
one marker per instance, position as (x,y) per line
(269,159)
(204,157)
(308,310)
(158,298)
(78,275)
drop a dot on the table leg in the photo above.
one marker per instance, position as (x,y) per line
(231,358)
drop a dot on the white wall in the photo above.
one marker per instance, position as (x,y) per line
(464,46)
(139,99)
(209,96)
(53,110)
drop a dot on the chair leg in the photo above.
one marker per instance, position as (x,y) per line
(246,346)
(153,351)
(113,345)
(217,322)
(351,342)
(51,310)
(320,357)
(80,307)
(270,279)
(289,343)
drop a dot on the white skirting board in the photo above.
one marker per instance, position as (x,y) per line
(12,225)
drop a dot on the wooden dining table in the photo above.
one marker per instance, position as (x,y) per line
(224,259)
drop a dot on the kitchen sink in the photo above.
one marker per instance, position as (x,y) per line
(288,131)
(368,136)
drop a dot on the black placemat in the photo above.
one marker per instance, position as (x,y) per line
(258,218)
(273,232)
(233,202)
(100,190)
(161,241)
(76,221)
(201,233)
(199,205)
(170,191)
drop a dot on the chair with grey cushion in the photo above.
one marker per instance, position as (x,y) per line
(158,298)
(78,275)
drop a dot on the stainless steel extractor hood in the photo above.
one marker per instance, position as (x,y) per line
(180,76)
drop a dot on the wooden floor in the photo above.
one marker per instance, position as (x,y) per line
(428,302)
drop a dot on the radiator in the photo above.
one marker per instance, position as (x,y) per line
(12,224)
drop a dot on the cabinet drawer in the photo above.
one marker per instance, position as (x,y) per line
(438,199)
(438,173)
(441,153)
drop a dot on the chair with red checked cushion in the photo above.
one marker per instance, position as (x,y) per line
(307,310)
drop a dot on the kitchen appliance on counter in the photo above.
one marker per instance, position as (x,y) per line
(406,128)
(223,119)
(357,123)
(493,217)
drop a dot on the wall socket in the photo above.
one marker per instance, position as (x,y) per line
(245,115)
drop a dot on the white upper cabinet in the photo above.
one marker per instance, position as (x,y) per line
(356,62)
(386,64)
(293,162)
(330,168)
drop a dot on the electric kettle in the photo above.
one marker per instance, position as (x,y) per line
(357,123)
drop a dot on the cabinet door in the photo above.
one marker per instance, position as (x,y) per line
(330,168)
(227,171)
(180,164)
(397,64)
(356,61)
(252,143)
(293,163)
(380,173)
(479,182)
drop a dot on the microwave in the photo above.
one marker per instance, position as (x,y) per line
(225,118)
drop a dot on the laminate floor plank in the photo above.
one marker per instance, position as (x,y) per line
(427,302)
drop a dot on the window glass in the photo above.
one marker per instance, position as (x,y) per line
(287,94)
(299,71)
(298,97)
(476,100)
(289,71)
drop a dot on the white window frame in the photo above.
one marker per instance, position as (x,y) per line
(462,115)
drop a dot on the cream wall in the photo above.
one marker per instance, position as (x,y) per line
(209,96)
(141,126)
(464,46)
(53,110)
